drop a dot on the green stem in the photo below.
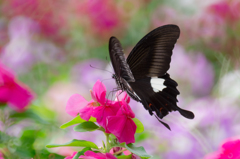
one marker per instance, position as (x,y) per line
(116,153)
(107,143)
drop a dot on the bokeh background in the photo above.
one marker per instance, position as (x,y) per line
(49,46)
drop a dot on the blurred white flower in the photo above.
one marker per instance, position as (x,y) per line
(229,85)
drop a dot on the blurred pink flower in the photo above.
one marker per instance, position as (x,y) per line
(122,125)
(227,10)
(99,17)
(93,155)
(1,155)
(70,157)
(103,14)
(16,94)
(44,12)
(230,149)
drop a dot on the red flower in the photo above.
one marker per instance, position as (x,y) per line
(16,94)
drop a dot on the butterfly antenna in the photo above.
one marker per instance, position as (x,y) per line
(105,79)
(101,69)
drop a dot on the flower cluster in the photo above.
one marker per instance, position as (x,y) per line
(114,116)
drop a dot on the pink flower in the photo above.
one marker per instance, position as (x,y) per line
(230,149)
(107,107)
(70,157)
(122,125)
(93,155)
(16,94)
(99,107)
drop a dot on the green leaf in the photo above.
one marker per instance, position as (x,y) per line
(77,155)
(75,142)
(86,126)
(28,114)
(140,151)
(141,136)
(81,152)
(76,120)
(139,124)
(125,157)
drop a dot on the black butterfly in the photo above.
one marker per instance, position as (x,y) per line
(144,74)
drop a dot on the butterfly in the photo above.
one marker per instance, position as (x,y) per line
(143,75)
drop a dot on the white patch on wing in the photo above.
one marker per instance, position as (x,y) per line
(157,84)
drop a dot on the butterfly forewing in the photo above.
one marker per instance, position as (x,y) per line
(119,63)
(152,54)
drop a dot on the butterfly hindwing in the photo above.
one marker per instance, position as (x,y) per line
(161,98)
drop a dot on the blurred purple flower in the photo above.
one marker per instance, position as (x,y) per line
(17,54)
(193,70)
(215,120)
(22,27)
(23,50)
(84,73)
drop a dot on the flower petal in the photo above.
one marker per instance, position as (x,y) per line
(120,95)
(102,112)
(115,124)
(100,91)
(86,112)
(74,104)
(125,110)
(98,155)
(128,132)
(123,128)
(19,98)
